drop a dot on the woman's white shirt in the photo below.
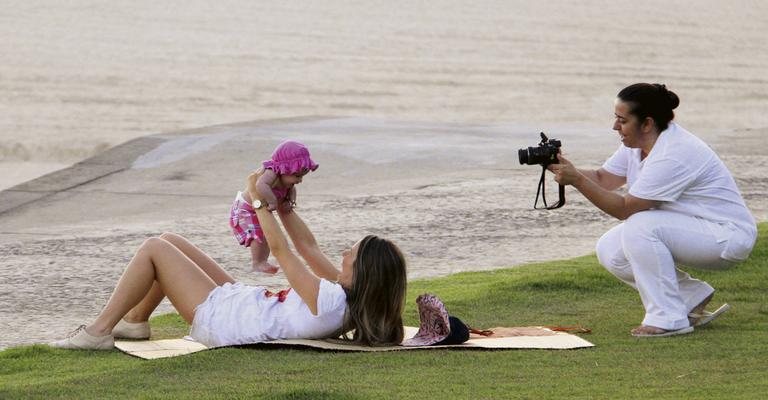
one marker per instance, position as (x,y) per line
(238,314)
(686,176)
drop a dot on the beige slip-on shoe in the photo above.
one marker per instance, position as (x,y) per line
(131,330)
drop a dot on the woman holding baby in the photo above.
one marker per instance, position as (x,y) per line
(365,295)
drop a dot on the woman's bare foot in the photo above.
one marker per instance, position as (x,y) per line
(647,330)
(698,311)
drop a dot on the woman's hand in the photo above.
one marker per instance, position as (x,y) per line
(259,187)
(286,206)
(252,180)
(289,202)
(565,172)
(610,202)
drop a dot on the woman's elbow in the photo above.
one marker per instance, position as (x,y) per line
(621,215)
(302,248)
(305,246)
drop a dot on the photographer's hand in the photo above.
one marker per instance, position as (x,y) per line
(610,202)
(565,172)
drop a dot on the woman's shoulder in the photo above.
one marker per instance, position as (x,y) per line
(331,296)
(679,141)
(676,134)
(330,286)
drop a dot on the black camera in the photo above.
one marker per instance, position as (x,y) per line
(544,154)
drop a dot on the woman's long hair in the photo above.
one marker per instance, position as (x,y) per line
(376,297)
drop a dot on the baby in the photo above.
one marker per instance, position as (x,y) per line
(289,163)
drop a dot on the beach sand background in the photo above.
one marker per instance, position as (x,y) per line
(424,106)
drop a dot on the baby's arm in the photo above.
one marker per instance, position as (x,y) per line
(290,200)
(263,184)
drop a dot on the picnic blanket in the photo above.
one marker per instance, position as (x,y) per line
(503,338)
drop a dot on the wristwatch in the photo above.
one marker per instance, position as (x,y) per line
(257,204)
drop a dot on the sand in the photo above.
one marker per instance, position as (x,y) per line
(444,96)
(78,77)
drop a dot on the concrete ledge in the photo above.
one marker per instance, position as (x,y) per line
(111,161)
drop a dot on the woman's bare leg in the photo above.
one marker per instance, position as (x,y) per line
(142,311)
(199,257)
(177,276)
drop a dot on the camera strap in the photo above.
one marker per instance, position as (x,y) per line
(541,191)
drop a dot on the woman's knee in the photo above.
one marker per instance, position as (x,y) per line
(170,236)
(640,225)
(603,252)
(641,232)
(608,246)
(153,244)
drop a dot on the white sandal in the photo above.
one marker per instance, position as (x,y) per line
(664,332)
(706,317)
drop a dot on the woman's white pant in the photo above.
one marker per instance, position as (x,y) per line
(644,250)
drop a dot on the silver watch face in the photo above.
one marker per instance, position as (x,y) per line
(256,204)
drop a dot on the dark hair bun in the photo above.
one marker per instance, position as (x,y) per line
(672,100)
(651,100)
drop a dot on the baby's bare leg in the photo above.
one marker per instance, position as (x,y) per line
(259,256)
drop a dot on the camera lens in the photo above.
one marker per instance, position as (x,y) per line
(543,154)
(522,155)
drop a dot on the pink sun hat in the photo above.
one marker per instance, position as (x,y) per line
(290,158)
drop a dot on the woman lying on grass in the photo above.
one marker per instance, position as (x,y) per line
(365,295)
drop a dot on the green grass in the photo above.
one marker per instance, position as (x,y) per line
(728,359)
